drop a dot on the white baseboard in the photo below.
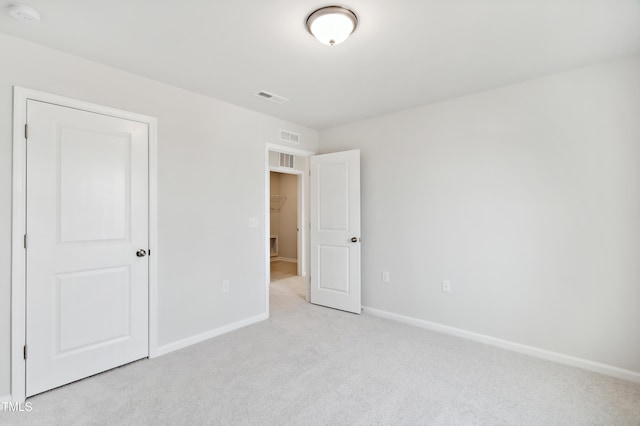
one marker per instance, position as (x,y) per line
(180,344)
(572,361)
(6,398)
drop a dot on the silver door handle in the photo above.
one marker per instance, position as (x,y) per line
(141,253)
(354,239)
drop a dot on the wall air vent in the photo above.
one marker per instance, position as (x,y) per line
(287,136)
(287,160)
(271,97)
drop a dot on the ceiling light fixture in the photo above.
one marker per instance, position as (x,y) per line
(25,14)
(332,24)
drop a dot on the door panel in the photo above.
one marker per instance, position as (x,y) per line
(333,201)
(333,268)
(94,186)
(93,296)
(335,221)
(87,215)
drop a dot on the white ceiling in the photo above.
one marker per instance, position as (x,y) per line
(404,53)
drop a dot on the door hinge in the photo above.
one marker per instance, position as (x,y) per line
(25,241)
(26,131)
(24,351)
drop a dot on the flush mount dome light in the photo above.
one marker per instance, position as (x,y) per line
(332,24)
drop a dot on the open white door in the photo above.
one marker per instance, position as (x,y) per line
(335,230)
(87,234)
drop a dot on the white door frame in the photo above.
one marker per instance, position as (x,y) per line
(303,211)
(18,256)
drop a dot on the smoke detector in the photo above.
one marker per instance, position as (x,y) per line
(26,14)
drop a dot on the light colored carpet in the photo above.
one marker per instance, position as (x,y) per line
(309,365)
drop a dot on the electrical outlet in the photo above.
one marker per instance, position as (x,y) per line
(225,285)
(385,277)
(446,286)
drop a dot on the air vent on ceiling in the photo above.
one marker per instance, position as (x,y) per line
(271,97)
(287,136)
(287,160)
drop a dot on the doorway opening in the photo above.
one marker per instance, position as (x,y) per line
(284,225)
(328,254)
(286,219)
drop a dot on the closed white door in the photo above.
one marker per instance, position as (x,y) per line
(87,218)
(335,230)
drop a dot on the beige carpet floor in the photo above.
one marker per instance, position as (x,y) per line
(309,365)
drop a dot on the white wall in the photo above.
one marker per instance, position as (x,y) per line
(205,196)
(526,197)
